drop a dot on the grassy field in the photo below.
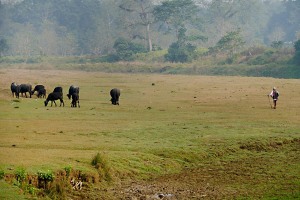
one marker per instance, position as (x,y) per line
(190,136)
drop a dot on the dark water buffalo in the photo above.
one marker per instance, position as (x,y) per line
(115,94)
(15,89)
(75,100)
(37,88)
(41,93)
(58,89)
(73,89)
(53,97)
(24,88)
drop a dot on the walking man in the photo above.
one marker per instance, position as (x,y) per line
(274,94)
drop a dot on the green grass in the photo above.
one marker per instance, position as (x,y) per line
(8,192)
(181,122)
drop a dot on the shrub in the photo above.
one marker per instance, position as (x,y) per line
(126,49)
(47,176)
(44,178)
(180,52)
(31,190)
(20,175)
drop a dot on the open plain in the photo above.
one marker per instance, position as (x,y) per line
(171,137)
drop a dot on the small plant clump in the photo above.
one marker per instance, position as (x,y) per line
(31,189)
(44,178)
(21,175)
(68,170)
(102,166)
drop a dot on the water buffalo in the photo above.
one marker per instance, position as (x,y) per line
(37,88)
(15,89)
(115,94)
(41,93)
(54,96)
(75,100)
(58,89)
(73,89)
(24,88)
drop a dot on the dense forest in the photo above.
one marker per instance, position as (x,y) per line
(121,28)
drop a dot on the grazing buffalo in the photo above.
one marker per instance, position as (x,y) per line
(41,93)
(75,100)
(73,89)
(15,89)
(37,88)
(115,94)
(24,88)
(53,97)
(58,89)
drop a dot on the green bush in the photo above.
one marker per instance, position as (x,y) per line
(44,178)
(20,174)
(180,52)
(31,190)
(126,49)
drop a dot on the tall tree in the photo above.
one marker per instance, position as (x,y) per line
(176,14)
(181,51)
(139,13)
(230,44)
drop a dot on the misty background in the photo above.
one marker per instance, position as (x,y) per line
(91,27)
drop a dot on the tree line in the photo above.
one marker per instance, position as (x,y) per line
(120,28)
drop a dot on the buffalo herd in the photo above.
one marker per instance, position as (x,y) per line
(57,94)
